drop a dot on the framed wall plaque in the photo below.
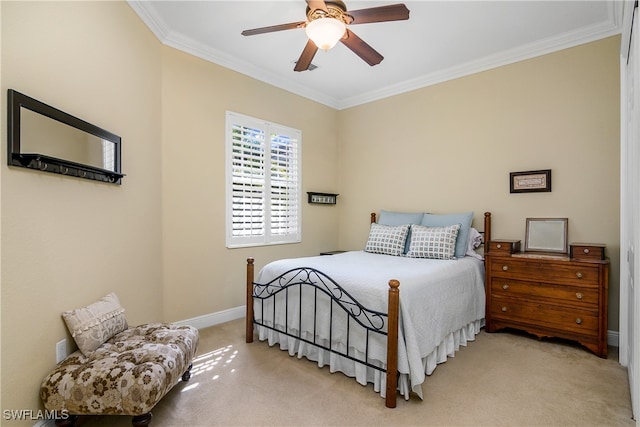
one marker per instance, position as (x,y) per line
(530,181)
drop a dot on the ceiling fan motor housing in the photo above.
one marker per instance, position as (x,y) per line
(335,9)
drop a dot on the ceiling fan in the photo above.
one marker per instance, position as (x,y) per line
(327,23)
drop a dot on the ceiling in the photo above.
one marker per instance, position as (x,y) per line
(442,40)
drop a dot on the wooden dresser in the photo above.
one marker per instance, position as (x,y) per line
(549,295)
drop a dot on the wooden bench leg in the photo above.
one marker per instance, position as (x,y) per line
(187,375)
(70,421)
(141,420)
(137,421)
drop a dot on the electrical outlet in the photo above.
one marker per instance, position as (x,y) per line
(61,350)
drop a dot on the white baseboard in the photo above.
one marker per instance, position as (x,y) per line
(213,319)
(613,338)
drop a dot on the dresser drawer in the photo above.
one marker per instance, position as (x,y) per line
(504,246)
(576,296)
(584,322)
(563,272)
(587,251)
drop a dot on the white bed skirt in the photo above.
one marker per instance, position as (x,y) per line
(364,374)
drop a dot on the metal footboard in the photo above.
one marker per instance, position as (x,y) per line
(315,283)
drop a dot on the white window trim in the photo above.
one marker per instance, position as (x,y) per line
(108,155)
(266,238)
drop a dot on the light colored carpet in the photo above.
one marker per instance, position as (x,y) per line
(501,379)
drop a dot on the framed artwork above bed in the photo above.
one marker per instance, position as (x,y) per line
(530,181)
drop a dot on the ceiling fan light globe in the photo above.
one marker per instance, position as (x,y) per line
(325,32)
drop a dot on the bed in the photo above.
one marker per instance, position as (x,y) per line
(345,310)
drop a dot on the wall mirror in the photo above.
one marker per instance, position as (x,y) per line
(546,235)
(44,138)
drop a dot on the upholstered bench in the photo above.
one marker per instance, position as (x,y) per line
(127,374)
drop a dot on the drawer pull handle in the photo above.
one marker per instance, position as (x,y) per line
(579,295)
(586,250)
(578,321)
(579,275)
(505,286)
(504,309)
(499,246)
(505,267)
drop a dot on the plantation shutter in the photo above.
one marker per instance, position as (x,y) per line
(285,192)
(248,182)
(263,182)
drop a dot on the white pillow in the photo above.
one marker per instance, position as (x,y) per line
(386,239)
(94,324)
(475,240)
(433,242)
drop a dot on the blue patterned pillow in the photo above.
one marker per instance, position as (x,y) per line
(442,220)
(433,242)
(387,240)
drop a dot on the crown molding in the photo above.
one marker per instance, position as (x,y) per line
(150,18)
(185,44)
(156,24)
(554,44)
(207,53)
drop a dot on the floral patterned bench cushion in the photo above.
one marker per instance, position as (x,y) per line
(127,375)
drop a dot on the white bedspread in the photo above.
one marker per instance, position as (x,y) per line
(442,306)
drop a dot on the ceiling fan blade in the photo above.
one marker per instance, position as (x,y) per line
(361,48)
(306,57)
(262,30)
(317,4)
(394,12)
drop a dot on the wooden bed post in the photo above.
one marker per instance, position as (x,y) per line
(392,343)
(249,316)
(373,217)
(487,230)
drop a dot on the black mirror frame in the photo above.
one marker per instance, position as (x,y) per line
(44,163)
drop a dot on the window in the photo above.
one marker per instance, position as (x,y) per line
(263,182)
(108,155)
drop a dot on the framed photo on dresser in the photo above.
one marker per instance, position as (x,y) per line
(546,235)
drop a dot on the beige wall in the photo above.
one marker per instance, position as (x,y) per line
(450,148)
(201,275)
(158,240)
(67,241)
